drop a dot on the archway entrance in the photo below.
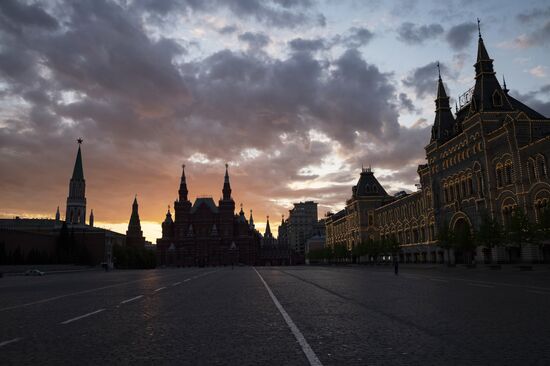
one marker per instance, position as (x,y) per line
(464,245)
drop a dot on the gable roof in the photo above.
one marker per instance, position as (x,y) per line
(208,201)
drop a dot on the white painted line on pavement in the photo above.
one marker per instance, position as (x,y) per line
(186,280)
(82,316)
(5,343)
(160,289)
(176,284)
(77,293)
(132,299)
(438,280)
(481,285)
(311,356)
(539,292)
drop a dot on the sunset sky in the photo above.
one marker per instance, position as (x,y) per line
(294,94)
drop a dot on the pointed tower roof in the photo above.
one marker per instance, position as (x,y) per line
(168,218)
(134,226)
(183,186)
(226,185)
(488,94)
(251,220)
(444,120)
(78,171)
(267,233)
(368,185)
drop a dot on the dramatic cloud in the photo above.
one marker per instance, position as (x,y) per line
(293,108)
(357,37)
(538,37)
(537,100)
(461,35)
(424,79)
(307,45)
(255,41)
(416,34)
(271,12)
(533,15)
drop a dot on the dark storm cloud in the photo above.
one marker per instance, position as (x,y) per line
(533,15)
(461,35)
(255,41)
(424,79)
(281,13)
(19,14)
(228,29)
(539,37)
(406,103)
(416,34)
(357,37)
(144,106)
(537,100)
(307,45)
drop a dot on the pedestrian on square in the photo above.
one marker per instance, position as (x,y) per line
(395,265)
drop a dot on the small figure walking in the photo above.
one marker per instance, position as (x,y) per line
(396,265)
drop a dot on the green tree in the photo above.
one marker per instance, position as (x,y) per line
(542,230)
(463,241)
(341,252)
(446,239)
(520,231)
(490,233)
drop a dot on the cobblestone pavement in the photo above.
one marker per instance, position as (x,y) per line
(219,316)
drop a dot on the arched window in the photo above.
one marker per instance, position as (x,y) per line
(480,187)
(531,170)
(541,167)
(508,172)
(497,99)
(499,175)
(470,185)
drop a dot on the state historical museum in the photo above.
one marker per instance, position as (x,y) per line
(203,234)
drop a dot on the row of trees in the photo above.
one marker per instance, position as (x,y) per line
(371,249)
(518,232)
(127,257)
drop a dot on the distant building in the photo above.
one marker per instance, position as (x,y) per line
(355,223)
(488,158)
(134,235)
(267,239)
(203,234)
(300,225)
(39,237)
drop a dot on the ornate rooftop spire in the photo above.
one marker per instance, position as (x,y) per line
(183,186)
(251,220)
(488,94)
(226,185)
(267,233)
(444,120)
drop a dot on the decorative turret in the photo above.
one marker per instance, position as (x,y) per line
(183,186)
(268,233)
(76,201)
(368,185)
(91,221)
(251,221)
(134,235)
(226,186)
(444,121)
(488,94)
(168,226)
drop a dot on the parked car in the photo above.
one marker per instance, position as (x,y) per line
(34,272)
